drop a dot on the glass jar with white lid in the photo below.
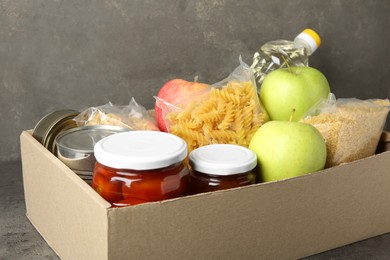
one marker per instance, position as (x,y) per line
(221,166)
(140,166)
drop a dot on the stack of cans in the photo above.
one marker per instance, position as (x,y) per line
(72,144)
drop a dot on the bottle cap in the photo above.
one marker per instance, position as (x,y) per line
(309,40)
(222,159)
(140,150)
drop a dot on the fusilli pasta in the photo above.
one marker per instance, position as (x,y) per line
(230,114)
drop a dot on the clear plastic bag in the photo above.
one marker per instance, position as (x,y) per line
(132,116)
(226,112)
(351,127)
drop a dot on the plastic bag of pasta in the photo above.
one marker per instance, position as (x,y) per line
(226,112)
(133,116)
(351,127)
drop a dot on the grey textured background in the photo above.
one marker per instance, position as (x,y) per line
(58,54)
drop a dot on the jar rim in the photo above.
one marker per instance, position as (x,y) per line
(222,159)
(140,150)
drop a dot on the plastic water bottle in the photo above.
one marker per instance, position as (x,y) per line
(282,53)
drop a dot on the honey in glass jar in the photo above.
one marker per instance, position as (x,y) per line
(140,166)
(221,166)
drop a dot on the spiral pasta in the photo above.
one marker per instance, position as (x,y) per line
(230,114)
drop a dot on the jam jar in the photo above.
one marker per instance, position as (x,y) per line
(221,166)
(140,166)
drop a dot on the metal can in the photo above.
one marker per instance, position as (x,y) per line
(75,147)
(46,130)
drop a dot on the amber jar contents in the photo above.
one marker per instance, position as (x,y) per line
(221,166)
(140,166)
(201,182)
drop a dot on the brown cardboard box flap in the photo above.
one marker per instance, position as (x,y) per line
(384,143)
(385,137)
(287,219)
(65,210)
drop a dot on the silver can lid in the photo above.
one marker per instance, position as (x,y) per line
(75,146)
(84,138)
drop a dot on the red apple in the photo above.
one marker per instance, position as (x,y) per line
(175,92)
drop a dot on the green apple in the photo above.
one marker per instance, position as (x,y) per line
(288,149)
(290,88)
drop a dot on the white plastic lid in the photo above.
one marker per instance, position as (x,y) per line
(222,159)
(140,150)
(309,40)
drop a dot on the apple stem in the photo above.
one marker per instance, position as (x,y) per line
(292,114)
(196,78)
(286,61)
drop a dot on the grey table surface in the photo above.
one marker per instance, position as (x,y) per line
(20,240)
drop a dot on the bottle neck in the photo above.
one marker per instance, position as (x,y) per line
(305,41)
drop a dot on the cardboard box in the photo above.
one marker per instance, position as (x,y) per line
(287,219)
(384,144)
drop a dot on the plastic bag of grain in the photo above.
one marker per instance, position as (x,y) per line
(133,116)
(351,127)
